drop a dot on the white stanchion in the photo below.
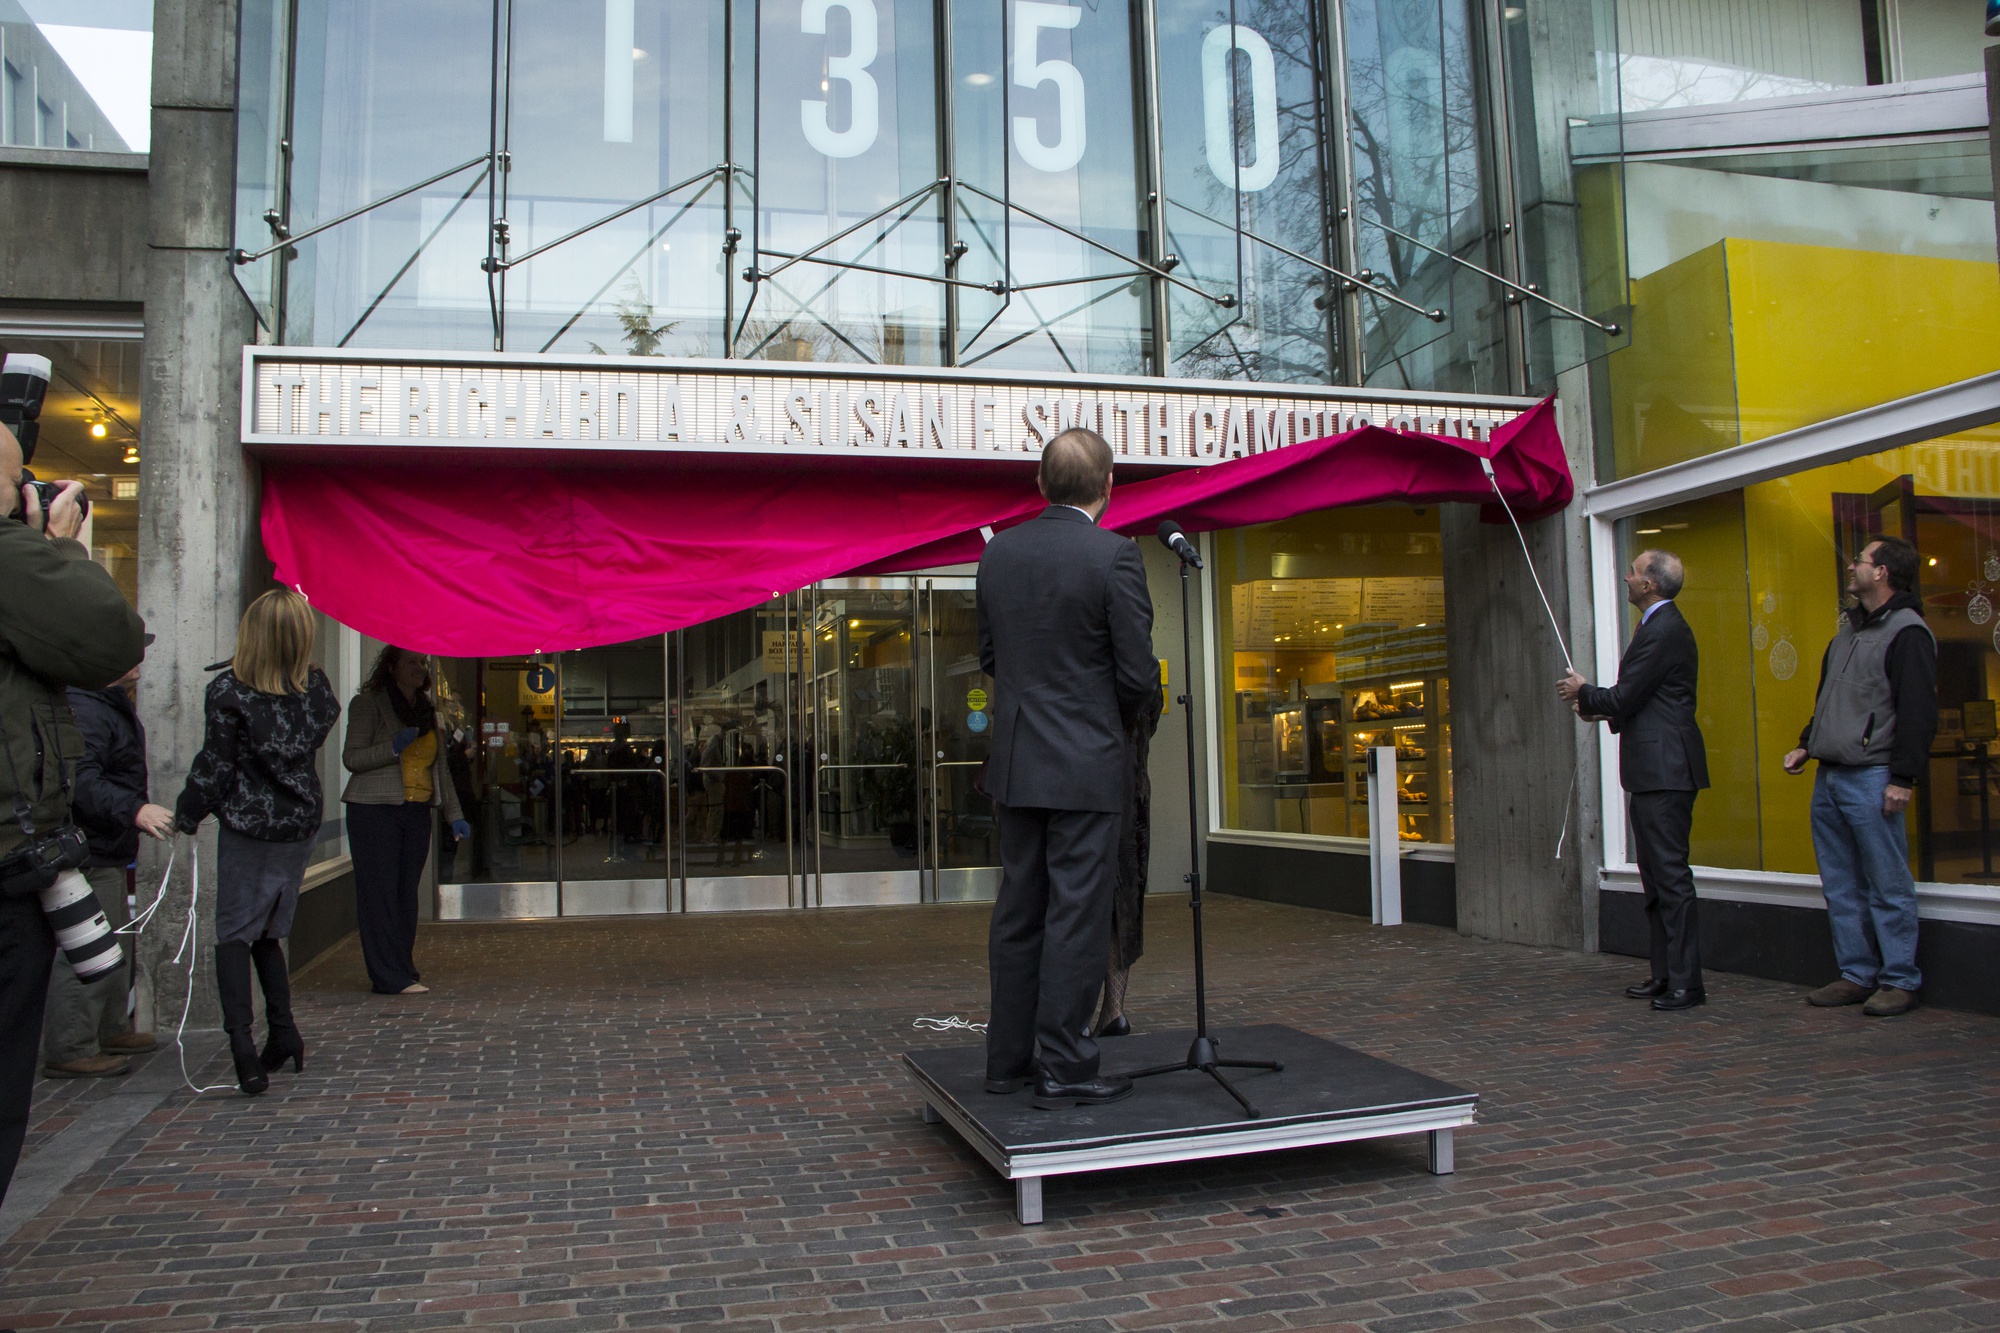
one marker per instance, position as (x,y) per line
(1385,845)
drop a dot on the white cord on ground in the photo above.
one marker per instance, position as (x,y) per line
(946,1024)
(1521,537)
(188,948)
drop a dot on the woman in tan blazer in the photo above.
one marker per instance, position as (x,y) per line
(396,752)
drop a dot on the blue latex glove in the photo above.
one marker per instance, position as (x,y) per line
(460,830)
(403,739)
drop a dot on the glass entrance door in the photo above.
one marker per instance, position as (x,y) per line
(565,784)
(611,780)
(736,770)
(862,718)
(820,750)
(964,835)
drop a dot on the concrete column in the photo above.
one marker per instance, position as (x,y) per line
(1524,770)
(199,556)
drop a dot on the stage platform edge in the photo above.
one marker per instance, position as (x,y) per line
(1327,1093)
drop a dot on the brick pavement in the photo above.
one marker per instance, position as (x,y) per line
(697,1123)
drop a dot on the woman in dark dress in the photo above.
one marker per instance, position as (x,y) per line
(1128,903)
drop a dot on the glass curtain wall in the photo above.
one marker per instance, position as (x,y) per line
(1256,189)
(1766,569)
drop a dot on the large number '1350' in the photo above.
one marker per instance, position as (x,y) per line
(1027,70)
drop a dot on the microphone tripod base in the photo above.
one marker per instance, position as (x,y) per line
(1204,1057)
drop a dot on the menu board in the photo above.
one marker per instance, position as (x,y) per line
(1302,613)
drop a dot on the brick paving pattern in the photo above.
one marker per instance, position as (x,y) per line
(697,1123)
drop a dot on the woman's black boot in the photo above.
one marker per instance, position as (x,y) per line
(232,984)
(285,1042)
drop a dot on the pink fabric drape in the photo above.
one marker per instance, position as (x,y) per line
(485,557)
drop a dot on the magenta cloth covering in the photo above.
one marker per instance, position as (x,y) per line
(487,558)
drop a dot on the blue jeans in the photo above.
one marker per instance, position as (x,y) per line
(1864,871)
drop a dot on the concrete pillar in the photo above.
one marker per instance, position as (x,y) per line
(1524,770)
(198,547)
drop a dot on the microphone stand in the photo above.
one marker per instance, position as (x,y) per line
(1202,1056)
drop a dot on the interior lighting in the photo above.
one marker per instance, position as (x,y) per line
(131,453)
(97,430)
(978,80)
(1649,532)
(1934,560)
(1406,685)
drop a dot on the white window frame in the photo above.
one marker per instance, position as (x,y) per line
(1955,408)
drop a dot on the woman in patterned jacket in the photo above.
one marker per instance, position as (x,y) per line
(267,715)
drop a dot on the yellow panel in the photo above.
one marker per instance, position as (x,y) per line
(1821,332)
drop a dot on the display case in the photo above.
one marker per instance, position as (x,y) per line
(1412,714)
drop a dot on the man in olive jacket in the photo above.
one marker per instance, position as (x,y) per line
(63,622)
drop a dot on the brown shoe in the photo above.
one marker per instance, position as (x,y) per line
(1838,992)
(130,1041)
(1888,1002)
(91,1066)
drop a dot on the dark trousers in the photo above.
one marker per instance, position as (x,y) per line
(1661,821)
(1046,948)
(27,950)
(389,844)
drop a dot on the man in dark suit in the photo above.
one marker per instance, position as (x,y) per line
(1662,764)
(1066,632)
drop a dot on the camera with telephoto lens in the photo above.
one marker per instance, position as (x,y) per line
(47,867)
(24,383)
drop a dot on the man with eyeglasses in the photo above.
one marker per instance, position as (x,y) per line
(1871,732)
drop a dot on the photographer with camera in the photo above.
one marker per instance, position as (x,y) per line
(63,622)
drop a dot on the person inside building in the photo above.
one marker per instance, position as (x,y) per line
(1663,766)
(1871,732)
(265,716)
(87,1033)
(397,753)
(63,622)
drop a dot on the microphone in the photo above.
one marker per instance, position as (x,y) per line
(1176,541)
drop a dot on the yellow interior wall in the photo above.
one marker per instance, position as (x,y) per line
(1796,334)
(1820,332)
(1708,537)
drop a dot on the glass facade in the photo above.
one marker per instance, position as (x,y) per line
(1766,568)
(1774,289)
(1269,189)
(1330,632)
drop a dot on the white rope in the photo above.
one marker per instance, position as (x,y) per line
(187,947)
(947,1024)
(1487,465)
(1521,537)
(137,925)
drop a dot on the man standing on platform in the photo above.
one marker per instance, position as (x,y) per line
(1662,764)
(1066,633)
(1871,731)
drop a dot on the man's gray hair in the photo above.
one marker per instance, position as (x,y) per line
(1664,568)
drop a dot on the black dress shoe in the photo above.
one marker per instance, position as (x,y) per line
(1681,999)
(1102,1090)
(1120,1026)
(1013,1083)
(1647,990)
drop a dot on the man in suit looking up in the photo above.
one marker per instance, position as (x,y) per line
(1662,764)
(1066,633)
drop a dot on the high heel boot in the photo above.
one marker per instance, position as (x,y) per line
(285,1042)
(232,984)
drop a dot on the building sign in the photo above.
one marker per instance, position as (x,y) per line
(308,396)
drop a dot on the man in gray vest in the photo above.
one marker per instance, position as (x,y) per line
(1871,731)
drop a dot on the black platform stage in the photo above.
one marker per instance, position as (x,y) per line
(1326,1094)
